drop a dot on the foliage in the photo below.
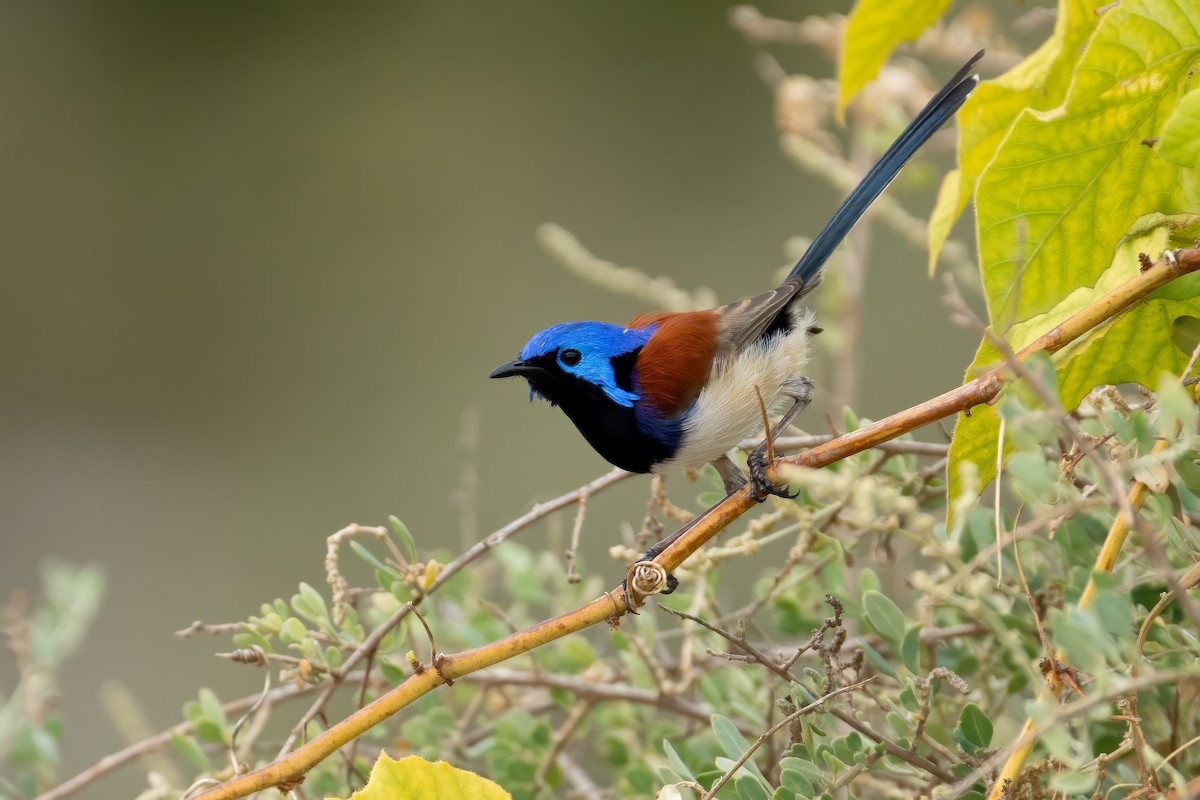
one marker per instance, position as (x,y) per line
(873,30)
(40,639)
(878,635)
(1069,197)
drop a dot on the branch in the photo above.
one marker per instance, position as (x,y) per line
(612,605)
(595,691)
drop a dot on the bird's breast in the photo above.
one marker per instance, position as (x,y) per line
(727,409)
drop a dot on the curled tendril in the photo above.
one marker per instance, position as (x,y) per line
(254,656)
(645,578)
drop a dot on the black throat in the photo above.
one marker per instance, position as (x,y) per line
(610,428)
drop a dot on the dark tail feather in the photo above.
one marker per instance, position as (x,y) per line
(935,113)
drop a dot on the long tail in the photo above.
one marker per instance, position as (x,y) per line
(935,113)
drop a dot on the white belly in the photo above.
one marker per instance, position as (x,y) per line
(727,410)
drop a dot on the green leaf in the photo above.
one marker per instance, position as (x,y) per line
(406,539)
(576,654)
(210,707)
(414,778)
(310,604)
(333,657)
(749,788)
(796,782)
(1186,335)
(910,649)
(189,749)
(945,213)
(878,661)
(884,615)
(975,726)
(293,631)
(1102,357)
(676,762)
(1179,141)
(899,724)
(733,744)
(1084,643)
(251,638)
(872,32)
(369,557)
(1070,782)
(801,765)
(867,579)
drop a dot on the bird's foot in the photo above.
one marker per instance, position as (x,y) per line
(761,487)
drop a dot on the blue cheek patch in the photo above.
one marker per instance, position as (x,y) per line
(619,395)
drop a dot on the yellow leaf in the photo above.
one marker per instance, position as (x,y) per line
(414,778)
(945,212)
(873,30)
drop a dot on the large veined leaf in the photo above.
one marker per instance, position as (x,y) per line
(1180,142)
(873,30)
(1038,82)
(1134,347)
(414,778)
(1064,186)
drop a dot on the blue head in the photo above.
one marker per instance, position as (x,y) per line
(585,359)
(589,369)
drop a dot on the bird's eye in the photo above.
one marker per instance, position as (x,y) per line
(570,357)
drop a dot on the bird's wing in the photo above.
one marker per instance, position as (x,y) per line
(740,323)
(673,366)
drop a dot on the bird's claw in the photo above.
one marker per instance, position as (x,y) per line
(761,486)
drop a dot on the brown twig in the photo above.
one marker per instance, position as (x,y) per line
(594,691)
(576,533)
(562,736)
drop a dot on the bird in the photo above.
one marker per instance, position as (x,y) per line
(677,390)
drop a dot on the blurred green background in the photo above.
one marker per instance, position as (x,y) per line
(259,259)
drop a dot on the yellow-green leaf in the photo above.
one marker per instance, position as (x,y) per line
(873,30)
(414,778)
(1104,356)
(1180,140)
(1039,82)
(945,213)
(1061,189)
